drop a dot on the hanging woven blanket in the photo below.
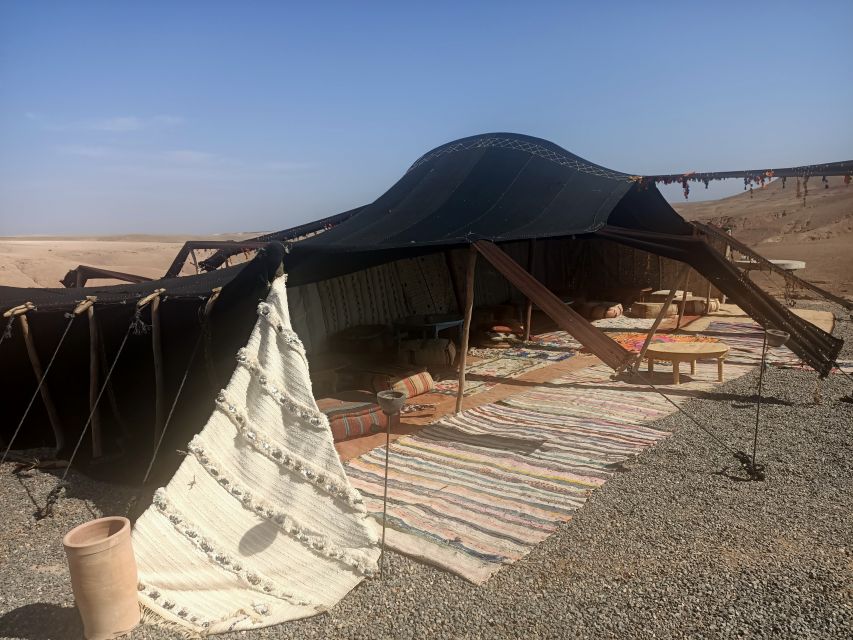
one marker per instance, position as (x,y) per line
(259,525)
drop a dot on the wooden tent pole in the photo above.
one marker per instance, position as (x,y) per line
(669,298)
(94,374)
(684,293)
(159,382)
(52,413)
(528,310)
(683,299)
(708,299)
(466,327)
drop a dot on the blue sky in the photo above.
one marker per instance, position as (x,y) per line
(205,117)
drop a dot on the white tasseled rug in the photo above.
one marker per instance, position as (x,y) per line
(259,525)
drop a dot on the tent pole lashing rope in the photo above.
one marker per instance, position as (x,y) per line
(71,317)
(7,332)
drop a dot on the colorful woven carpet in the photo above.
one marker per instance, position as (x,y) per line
(485,375)
(529,353)
(556,340)
(634,341)
(477,490)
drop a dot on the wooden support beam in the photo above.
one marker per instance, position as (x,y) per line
(611,352)
(52,413)
(466,326)
(528,308)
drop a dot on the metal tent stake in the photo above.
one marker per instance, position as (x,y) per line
(774,339)
(758,402)
(390,402)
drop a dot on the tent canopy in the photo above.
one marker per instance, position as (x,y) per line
(500,187)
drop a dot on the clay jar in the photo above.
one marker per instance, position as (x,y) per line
(103,576)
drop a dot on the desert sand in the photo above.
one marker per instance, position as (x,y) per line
(43,261)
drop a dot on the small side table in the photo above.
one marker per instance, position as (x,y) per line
(678,352)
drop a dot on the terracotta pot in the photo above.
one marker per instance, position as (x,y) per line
(103,576)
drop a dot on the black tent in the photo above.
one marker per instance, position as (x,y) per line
(504,188)
(496,188)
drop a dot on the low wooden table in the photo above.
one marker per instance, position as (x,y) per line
(678,352)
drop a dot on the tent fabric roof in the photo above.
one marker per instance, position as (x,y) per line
(499,187)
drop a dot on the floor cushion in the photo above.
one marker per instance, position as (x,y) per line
(352,414)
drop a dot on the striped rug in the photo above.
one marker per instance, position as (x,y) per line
(477,490)
(487,374)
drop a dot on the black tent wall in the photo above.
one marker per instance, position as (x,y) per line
(231,321)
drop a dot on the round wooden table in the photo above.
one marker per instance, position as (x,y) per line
(678,352)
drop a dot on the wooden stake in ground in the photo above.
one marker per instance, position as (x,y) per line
(466,326)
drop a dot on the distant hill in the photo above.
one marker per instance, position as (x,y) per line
(778,224)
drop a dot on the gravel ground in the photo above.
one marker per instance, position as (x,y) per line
(679,546)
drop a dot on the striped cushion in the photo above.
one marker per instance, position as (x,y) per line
(414,385)
(352,414)
(411,381)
